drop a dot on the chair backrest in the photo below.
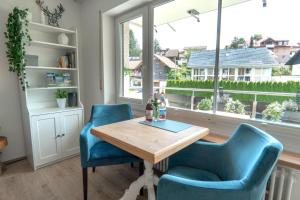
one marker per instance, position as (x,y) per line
(107,114)
(251,154)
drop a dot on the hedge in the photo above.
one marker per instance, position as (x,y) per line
(266,86)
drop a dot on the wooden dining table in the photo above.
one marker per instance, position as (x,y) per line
(151,144)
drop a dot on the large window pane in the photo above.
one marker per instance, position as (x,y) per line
(262,48)
(132,36)
(183,29)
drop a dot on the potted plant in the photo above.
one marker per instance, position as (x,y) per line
(17,35)
(235,107)
(205,104)
(291,113)
(273,112)
(61,98)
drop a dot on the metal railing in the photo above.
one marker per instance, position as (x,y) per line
(254,93)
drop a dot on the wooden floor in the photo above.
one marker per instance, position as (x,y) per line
(63,181)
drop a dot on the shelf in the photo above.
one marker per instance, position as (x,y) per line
(47,28)
(52,45)
(40,111)
(50,68)
(52,88)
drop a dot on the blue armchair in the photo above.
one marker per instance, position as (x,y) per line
(236,170)
(96,152)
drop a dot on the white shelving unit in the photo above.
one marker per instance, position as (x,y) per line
(51,133)
(51,45)
(50,68)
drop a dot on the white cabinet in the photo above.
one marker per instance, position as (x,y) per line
(55,136)
(71,124)
(51,133)
(45,132)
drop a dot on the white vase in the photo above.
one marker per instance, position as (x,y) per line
(61,103)
(63,39)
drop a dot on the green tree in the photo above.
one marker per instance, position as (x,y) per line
(237,43)
(156,45)
(257,37)
(134,48)
(183,73)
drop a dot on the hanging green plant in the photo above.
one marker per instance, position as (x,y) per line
(17,35)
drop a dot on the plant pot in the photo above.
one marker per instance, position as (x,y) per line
(61,103)
(290,116)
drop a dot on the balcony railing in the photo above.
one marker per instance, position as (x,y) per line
(254,100)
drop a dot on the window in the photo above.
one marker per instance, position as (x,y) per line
(244,74)
(210,74)
(177,35)
(131,56)
(132,34)
(228,74)
(184,50)
(199,74)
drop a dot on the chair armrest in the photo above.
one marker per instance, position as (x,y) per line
(203,155)
(87,141)
(177,188)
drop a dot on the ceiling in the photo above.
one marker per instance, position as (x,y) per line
(177,9)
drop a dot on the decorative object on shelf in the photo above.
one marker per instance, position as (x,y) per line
(32,60)
(51,79)
(59,79)
(53,16)
(63,39)
(67,79)
(63,61)
(17,35)
(61,98)
(72,99)
(71,58)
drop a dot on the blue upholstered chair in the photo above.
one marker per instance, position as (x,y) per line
(96,152)
(236,170)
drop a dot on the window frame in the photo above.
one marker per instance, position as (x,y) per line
(143,12)
(286,132)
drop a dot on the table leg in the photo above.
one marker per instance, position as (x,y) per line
(148,179)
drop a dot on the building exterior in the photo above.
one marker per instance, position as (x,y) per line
(295,63)
(247,64)
(161,67)
(282,49)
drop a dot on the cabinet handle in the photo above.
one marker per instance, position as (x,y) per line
(57,136)
(62,135)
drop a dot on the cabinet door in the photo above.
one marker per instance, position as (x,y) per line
(71,127)
(45,132)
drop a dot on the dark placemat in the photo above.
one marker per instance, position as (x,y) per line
(168,125)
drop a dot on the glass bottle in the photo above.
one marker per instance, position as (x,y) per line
(162,107)
(149,111)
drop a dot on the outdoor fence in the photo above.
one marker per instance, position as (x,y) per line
(255,94)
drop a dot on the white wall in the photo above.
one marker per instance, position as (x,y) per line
(10,116)
(99,72)
(296,70)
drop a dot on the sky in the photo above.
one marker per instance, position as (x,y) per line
(279,20)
